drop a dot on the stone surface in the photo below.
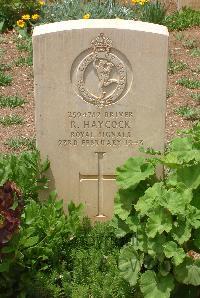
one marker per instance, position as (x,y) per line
(100,91)
(194,4)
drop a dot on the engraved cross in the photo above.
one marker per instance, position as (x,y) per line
(100,177)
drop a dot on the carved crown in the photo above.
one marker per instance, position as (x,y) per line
(101,43)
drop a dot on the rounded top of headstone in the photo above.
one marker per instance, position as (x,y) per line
(101,24)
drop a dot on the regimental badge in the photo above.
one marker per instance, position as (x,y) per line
(109,70)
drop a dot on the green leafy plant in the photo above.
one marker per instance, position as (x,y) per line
(153,12)
(89,267)
(24,44)
(26,170)
(21,143)
(5,79)
(190,43)
(176,66)
(179,36)
(189,83)
(4,66)
(21,61)
(195,96)
(45,230)
(195,52)
(109,9)
(188,112)
(73,10)
(159,220)
(11,101)
(183,19)
(11,120)
(58,255)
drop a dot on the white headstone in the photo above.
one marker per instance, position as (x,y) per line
(100,91)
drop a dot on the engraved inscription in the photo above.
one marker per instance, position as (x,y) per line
(109,69)
(99,129)
(100,177)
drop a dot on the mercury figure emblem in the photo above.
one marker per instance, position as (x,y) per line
(109,69)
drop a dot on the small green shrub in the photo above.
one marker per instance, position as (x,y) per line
(26,170)
(195,52)
(21,143)
(11,101)
(5,79)
(183,19)
(23,61)
(24,44)
(153,12)
(11,120)
(159,220)
(189,113)
(58,255)
(4,66)
(190,43)
(195,96)
(189,83)
(179,36)
(176,66)
(45,230)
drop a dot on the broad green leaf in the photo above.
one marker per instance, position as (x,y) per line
(155,246)
(140,238)
(188,272)
(197,238)
(28,242)
(150,200)
(130,264)
(190,175)
(181,152)
(175,159)
(156,286)
(7,249)
(171,250)
(149,262)
(193,216)
(165,268)
(133,222)
(196,198)
(180,144)
(133,172)
(159,221)
(181,232)
(120,226)
(4,267)
(176,202)
(59,205)
(123,203)
(23,32)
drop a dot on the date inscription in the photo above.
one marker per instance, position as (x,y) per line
(100,128)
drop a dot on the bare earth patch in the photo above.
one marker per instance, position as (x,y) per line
(22,85)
